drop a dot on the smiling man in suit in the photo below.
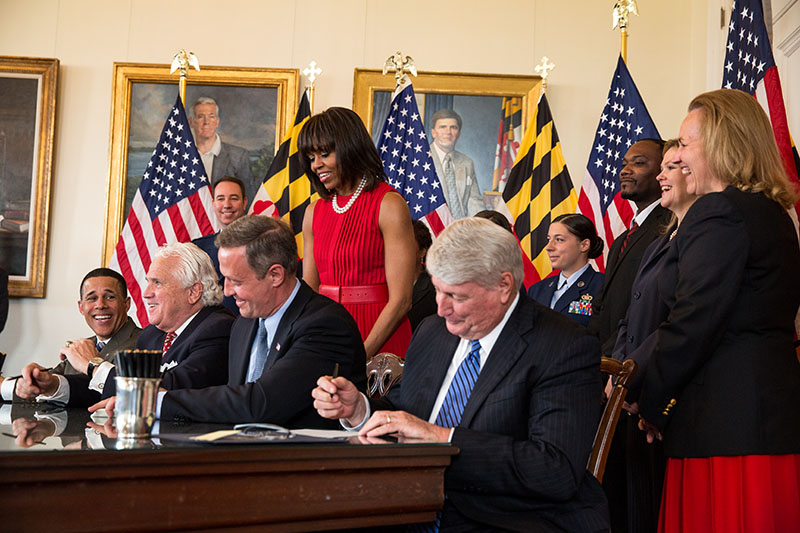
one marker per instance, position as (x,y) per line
(104,305)
(512,384)
(186,323)
(287,336)
(640,166)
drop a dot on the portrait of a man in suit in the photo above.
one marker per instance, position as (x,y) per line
(220,159)
(456,171)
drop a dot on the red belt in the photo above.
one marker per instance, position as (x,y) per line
(356,294)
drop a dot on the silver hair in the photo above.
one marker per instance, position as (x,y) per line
(203,100)
(477,250)
(194,266)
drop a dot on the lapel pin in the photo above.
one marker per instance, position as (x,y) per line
(581,284)
(278,347)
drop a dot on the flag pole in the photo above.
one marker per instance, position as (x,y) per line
(182,61)
(402,66)
(620,15)
(311,72)
(543,70)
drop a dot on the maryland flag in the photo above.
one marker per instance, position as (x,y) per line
(508,137)
(539,187)
(287,191)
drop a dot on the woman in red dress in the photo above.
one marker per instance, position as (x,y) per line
(723,381)
(358,240)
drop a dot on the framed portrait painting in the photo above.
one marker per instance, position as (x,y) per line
(28,88)
(490,111)
(251,109)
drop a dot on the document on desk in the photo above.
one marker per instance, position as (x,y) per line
(263,434)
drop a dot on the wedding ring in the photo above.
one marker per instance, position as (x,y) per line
(388,419)
(68,344)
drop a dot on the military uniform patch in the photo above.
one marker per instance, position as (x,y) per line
(582,306)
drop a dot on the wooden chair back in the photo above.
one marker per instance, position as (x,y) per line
(623,372)
(383,371)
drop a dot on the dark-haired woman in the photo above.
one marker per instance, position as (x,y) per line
(358,241)
(571,241)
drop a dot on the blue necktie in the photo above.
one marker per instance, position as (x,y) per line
(262,350)
(100,345)
(452,408)
(461,387)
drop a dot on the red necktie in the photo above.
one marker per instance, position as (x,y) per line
(168,342)
(631,231)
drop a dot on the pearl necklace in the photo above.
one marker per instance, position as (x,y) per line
(349,204)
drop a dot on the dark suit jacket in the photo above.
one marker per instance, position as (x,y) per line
(724,378)
(527,429)
(423,300)
(235,161)
(124,339)
(3,298)
(314,334)
(652,289)
(198,357)
(206,243)
(611,303)
(582,291)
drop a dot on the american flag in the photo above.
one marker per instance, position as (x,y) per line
(624,121)
(404,150)
(750,67)
(173,204)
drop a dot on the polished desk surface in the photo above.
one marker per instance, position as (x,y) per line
(79,480)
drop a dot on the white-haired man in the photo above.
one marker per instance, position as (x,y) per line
(219,159)
(514,385)
(187,323)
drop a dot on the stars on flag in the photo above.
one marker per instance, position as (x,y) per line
(178,168)
(406,156)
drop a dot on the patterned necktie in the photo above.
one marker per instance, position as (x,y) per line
(262,350)
(461,387)
(631,231)
(100,345)
(450,182)
(168,342)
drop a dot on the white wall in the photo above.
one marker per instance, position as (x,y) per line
(670,53)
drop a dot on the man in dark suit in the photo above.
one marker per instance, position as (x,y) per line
(219,159)
(641,166)
(104,304)
(286,337)
(638,183)
(512,384)
(230,202)
(186,323)
(3,298)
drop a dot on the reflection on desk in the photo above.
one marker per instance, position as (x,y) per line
(171,484)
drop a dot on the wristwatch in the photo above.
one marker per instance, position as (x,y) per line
(94,362)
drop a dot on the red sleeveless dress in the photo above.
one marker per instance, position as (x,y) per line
(349,252)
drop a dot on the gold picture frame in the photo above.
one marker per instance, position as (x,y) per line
(276,90)
(29,86)
(479,134)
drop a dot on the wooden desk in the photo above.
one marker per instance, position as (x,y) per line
(303,487)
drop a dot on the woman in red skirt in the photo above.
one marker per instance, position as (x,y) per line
(723,382)
(358,241)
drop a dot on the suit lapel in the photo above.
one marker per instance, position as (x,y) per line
(286,325)
(504,355)
(574,292)
(180,340)
(424,395)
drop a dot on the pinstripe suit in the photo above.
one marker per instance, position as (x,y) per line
(527,429)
